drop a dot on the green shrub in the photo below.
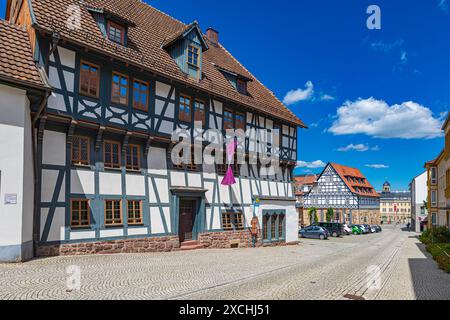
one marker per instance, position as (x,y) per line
(438,251)
(435,235)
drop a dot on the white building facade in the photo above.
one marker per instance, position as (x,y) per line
(419,195)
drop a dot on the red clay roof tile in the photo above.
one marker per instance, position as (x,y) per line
(355,186)
(16,58)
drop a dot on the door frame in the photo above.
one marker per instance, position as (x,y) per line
(199,217)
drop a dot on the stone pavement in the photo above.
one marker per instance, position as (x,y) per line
(390,265)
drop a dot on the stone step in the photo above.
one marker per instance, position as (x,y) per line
(190,243)
(195,247)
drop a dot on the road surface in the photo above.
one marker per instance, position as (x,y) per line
(389,265)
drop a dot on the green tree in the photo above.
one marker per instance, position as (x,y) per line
(313,218)
(330,214)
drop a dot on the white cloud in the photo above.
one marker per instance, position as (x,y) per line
(327,97)
(311,165)
(298,95)
(377,166)
(386,47)
(403,57)
(443,5)
(306,94)
(359,147)
(376,118)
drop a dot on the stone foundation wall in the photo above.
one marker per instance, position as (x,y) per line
(144,245)
(367,216)
(228,239)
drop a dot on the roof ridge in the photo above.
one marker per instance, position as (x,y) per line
(163,13)
(269,90)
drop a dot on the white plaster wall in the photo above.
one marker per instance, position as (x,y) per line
(82,235)
(54,148)
(420,188)
(194,180)
(57,228)
(218,106)
(48,186)
(291,216)
(135,185)
(246,191)
(110,183)
(16,171)
(82,182)
(137,231)
(28,187)
(224,193)
(177,179)
(163,90)
(112,233)
(56,101)
(67,57)
(157,222)
(157,161)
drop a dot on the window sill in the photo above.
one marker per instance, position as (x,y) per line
(134,171)
(114,226)
(123,105)
(140,109)
(138,225)
(193,65)
(112,169)
(81,166)
(86,95)
(83,228)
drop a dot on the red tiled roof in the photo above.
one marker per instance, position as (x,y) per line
(446,122)
(150,31)
(16,59)
(356,187)
(304,180)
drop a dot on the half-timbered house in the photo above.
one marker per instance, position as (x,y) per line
(348,192)
(124,77)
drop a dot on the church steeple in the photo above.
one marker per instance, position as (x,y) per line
(386,187)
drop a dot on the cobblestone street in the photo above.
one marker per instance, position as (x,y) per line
(313,270)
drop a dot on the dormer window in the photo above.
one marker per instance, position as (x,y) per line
(242,86)
(116,33)
(193,55)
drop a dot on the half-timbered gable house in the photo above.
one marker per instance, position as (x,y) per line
(124,77)
(348,192)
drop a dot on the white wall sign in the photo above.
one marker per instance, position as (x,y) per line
(10,198)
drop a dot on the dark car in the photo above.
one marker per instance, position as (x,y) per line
(335,229)
(369,228)
(377,228)
(314,232)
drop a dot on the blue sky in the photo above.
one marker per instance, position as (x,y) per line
(372,99)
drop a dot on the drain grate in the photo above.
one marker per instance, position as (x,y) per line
(354,297)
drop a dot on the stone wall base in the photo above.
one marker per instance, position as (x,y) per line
(144,245)
(210,240)
(228,239)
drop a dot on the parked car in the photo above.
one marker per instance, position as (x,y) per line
(369,228)
(377,228)
(373,229)
(314,232)
(347,230)
(365,228)
(357,230)
(335,229)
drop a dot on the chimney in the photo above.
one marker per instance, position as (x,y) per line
(212,35)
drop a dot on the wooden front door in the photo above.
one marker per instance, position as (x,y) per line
(187,214)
